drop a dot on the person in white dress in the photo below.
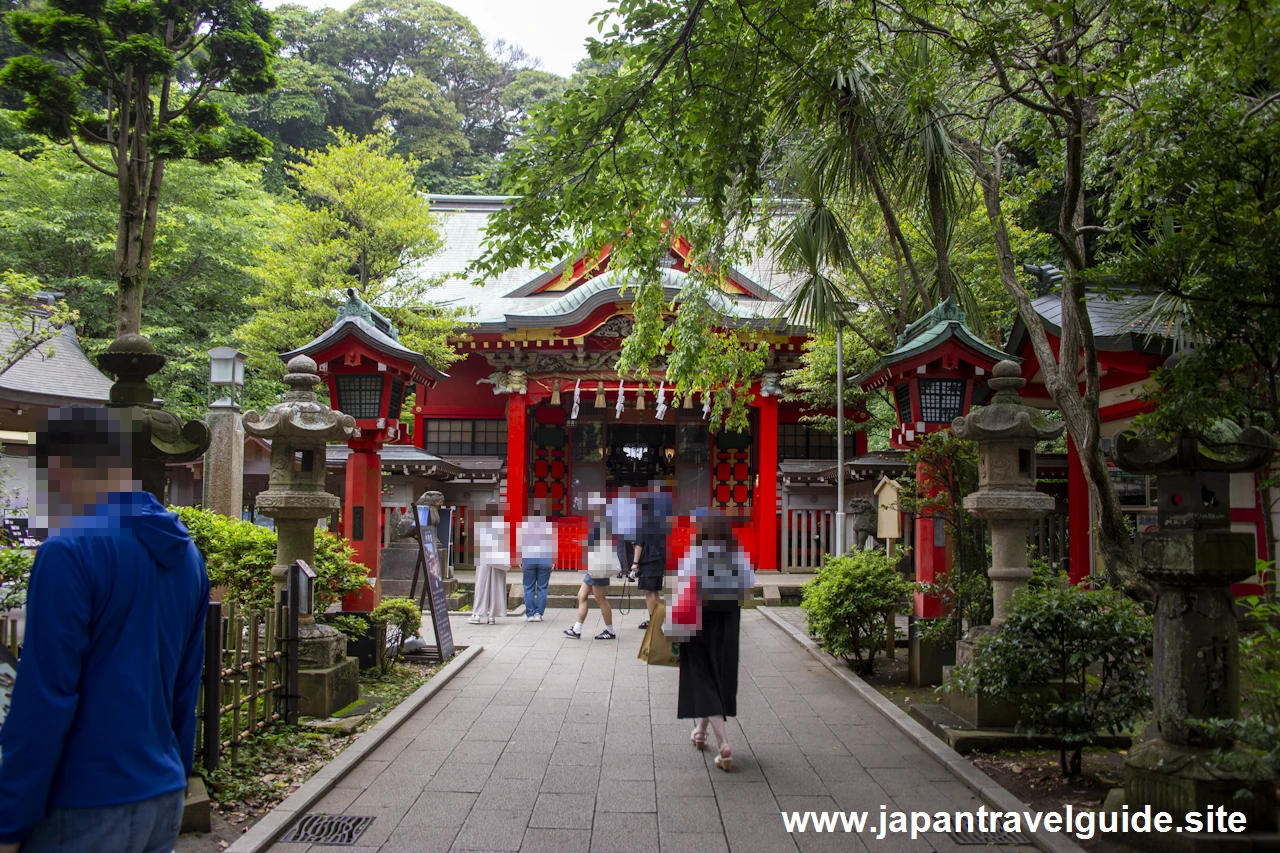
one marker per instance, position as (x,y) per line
(493,558)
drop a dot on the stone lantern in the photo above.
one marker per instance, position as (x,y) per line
(1007,432)
(298,428)
(160,437)
(1192,561)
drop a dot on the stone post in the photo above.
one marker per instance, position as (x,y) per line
(224,460)
(298,428)
(1191,562)
(1007,431)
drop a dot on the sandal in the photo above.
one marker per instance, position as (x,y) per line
(724,760)
(699,740)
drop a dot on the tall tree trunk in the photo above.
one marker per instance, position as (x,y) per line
(139,194)
(1079,414)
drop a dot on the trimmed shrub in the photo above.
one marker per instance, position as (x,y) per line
(1071,659)
(15,574)
(404,616)
(848,603)
(240,555)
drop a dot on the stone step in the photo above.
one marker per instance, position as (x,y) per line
(399,587)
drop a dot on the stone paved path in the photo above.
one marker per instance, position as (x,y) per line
(549,744)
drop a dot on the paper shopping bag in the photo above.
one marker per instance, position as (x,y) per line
(655,648)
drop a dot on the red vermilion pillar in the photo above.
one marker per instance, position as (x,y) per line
(764,503)
(1079,516)
(933,554)
(517,466)
(362,518)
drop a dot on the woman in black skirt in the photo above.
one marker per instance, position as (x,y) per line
(714,579)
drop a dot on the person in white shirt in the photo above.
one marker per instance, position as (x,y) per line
(595,580)
(493,557)
(536,545)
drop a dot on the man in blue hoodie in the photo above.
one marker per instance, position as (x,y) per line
(100,737)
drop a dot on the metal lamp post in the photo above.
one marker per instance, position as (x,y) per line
(840,549)
(224,460)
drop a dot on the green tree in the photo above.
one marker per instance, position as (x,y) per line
(1198,222)
(847,605)
(416,68)
(141,88)
(58,223)
(1072,659)
(357,223)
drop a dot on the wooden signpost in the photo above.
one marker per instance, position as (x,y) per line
(888,530)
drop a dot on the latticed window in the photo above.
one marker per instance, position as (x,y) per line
(800,441)
(359,396)
(397,399)
(902,394)
(449,437)
(941,400)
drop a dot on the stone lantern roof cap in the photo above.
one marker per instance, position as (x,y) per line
(356,318)
(1224,447)
(1006,416)
(300,416)
(944,322)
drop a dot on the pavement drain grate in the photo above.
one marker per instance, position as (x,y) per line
(988,838)
(337,829)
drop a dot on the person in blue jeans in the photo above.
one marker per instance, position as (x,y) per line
(100,738)
(536,545)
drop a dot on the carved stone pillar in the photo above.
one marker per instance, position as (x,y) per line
(1192,561)
(1007,432)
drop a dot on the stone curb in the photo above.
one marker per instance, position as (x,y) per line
(266,831)
(973,778)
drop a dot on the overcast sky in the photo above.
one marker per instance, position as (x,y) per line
(552,30)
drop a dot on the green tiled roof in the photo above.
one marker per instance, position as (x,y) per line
(946,320)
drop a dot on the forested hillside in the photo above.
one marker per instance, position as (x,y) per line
(237,245)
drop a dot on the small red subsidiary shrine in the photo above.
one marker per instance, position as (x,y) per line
(1131,346)
(368,373)
(932,375)
(538,389)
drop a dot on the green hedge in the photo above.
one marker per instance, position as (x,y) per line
(848,603)
(240,556)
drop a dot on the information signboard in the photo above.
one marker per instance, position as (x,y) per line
(429,548)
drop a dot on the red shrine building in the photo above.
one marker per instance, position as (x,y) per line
(537,405)
(1131,346)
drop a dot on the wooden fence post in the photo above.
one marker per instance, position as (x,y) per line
(211,713)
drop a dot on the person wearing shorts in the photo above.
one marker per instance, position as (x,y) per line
(597,588)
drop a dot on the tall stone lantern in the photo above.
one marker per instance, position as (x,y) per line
(160,437)
(1191,561)
(1007,432)
(298,428)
